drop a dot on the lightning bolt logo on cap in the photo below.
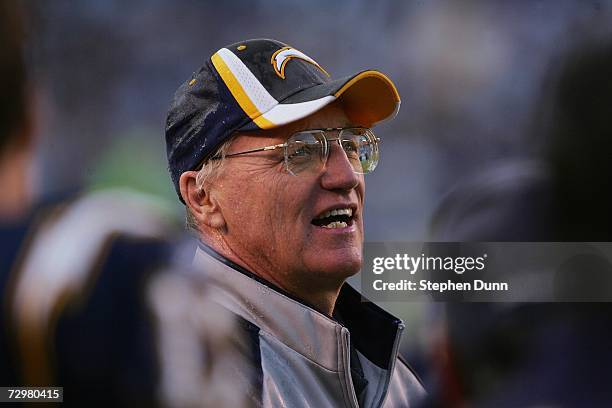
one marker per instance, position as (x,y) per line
(281,57)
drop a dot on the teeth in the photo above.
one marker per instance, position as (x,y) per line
(336,224)
(340,211)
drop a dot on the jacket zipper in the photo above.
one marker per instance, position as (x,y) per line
(346,359)
(396,343)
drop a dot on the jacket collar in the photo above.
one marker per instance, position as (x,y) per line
(374,332)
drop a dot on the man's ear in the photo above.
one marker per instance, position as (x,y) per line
(201,201)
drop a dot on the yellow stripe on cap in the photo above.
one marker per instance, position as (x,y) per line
(239,93)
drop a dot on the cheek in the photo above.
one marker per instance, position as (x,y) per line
(294,199)
(237,203)
(250,207)
(361,188)
(271,207)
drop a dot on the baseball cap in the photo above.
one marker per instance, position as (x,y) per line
(263,84)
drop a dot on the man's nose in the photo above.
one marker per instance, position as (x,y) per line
(338,173)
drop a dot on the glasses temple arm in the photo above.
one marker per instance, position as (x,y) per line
(261,149)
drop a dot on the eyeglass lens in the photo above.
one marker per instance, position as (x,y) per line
(305,150)
(308,150)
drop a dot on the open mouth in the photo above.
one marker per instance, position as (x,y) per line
(337,218)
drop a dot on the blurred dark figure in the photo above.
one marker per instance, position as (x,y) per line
(92,299)
(15,154)
(554,354)
(15,117)
(580,127)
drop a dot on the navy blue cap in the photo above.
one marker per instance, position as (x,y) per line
(262,84)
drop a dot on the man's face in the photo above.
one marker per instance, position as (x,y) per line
(270,213)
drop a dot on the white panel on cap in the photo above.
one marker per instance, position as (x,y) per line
(285,113)
(256,92)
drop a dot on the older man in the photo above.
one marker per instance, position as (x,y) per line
(269,155)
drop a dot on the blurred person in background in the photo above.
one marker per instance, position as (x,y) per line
(268,154)
(16,150)
(92,300)
(553,354)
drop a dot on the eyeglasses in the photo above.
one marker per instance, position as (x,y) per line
(309,149)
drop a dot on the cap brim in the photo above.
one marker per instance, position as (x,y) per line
(367,98)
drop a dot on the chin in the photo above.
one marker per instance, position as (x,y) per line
(338,264)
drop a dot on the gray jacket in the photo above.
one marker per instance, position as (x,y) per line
(302,358)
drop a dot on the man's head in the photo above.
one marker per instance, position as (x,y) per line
(291,212)
(267,216)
